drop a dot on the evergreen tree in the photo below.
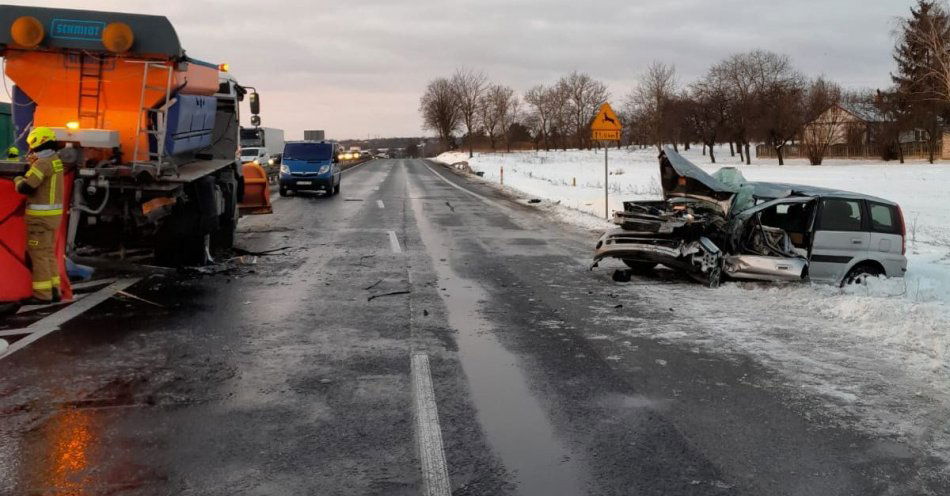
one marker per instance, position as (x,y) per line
(916,81)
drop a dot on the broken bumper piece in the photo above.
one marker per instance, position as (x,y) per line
(761,268)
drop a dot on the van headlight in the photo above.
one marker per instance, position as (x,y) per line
(324,169)
(284,169)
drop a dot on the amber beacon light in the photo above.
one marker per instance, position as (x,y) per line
(117,37)
(27,31)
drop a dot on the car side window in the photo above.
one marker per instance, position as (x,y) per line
(883,218)
(840,215)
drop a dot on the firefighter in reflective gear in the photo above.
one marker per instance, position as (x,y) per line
(43,186)
(13,154)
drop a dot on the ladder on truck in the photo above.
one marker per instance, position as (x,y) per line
(90,89)
(146,155)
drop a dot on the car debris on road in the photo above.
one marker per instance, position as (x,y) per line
(720,225)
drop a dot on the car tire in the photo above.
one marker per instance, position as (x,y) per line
(860,273)
(638,267)
(283,191)
(336,189)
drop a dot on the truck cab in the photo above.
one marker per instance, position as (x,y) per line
(310,166)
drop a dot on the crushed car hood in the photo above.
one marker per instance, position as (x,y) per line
(681,178)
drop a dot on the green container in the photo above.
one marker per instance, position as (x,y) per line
(6,127)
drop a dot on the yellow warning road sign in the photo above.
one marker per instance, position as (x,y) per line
(606,126)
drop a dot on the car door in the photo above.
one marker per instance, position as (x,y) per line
(840,236)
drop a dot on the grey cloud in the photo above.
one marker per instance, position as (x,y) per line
(357,67)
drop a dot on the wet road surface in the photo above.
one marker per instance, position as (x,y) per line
(292,375)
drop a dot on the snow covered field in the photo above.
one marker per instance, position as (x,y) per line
(879,353)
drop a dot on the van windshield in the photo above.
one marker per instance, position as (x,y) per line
(308,151)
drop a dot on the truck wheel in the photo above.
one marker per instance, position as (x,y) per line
(179,241)
(223,237)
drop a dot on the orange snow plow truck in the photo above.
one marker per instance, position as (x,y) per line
(150,135)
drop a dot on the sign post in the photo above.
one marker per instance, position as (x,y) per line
(606,128)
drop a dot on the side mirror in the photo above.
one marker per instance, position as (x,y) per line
(255,101)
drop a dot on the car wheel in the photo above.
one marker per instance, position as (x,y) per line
(336,189)
(639,267)
(283,192)
(860,274)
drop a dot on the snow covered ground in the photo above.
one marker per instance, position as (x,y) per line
(879,353)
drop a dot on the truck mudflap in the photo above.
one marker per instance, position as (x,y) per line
(256,191)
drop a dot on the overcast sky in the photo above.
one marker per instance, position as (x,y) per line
(357,67)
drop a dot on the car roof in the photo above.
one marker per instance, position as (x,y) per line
(782,190)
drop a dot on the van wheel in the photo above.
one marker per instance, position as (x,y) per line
(860,274)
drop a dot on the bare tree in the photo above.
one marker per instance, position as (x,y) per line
(538,114)
(708,112)
(510,113)
(439,110)
(502,104)
(488,117)
(650,101)
(824,118)
(584,96)
(781,113)
(557,99)
(468,87)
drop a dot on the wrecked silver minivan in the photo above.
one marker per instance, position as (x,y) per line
(721,226)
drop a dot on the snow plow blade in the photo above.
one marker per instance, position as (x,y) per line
(256,191)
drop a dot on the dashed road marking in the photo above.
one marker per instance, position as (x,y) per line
(394,242)
(380,204)
(52,322)
(435,474)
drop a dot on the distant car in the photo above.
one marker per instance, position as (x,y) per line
(714,227)
(310,165)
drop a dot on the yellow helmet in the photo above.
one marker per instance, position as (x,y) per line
(40,135)
(13,151)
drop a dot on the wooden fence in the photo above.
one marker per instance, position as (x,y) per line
(911,151)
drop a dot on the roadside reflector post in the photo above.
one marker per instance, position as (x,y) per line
(606,191)
(574,182)
(502,175)
(605,128)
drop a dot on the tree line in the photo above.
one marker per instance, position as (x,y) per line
(747,98)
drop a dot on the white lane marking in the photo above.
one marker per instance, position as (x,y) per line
(380,204)
(394,242)
(52,322)
(435,474)
(456,186)
(17,332)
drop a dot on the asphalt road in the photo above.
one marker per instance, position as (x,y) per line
(293,375)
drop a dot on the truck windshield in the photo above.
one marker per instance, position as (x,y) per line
(252,137)
(308,151)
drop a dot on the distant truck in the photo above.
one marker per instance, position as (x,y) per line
(261,144)
(314,135)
